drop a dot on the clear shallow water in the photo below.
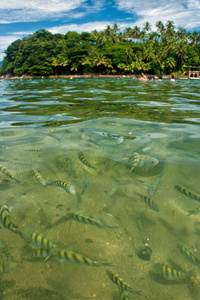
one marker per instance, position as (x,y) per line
(44,124)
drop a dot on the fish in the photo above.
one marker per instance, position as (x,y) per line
(88,220)
(84,161)
(187,193)
(151,203)
(39,177)
(38,240)
(5,219)
(42,253)
(5,172)
(35,150)
(120,282)
(141,160)
(77,258)
(171,273)
(68,164)
(68,187)
(194,212)
(85,185)
(114,189)
(135,162)
(189,255)
(123,293)
(6,267)
(148,148)
(153,188)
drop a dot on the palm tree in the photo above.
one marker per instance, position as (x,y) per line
(135,34)
(115,28)
(160,29)
(128,33)
(147,27)
(181,33)
(170,32)
(101,38)
(74,67)
(85,61)
(99,59)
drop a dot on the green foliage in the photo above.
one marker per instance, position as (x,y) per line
(164,51)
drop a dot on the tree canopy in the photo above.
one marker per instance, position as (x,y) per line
(109,51)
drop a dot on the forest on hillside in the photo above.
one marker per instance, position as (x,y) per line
(165,51)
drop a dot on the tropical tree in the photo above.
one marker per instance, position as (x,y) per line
(99,59)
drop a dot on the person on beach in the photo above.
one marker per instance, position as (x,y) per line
(172,78)
(143,78)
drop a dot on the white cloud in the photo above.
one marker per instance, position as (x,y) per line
(36,10)
(88,27)
(184,13)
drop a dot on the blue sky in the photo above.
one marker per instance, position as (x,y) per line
(19,18)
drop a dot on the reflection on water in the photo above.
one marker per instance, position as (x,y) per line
(89,169)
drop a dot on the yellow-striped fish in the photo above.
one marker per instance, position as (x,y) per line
(84,161)
(5,219)
(87,220)
(141,160)
(35,150)
(120,282)
(77,258)
(189,255)
(151,203)
(170,273)
(114,189)
(39,177)
(42,253)
(123,293)
(6,267)
(135,161)
(68,187)
(187,193)
(5,172)
(38,240)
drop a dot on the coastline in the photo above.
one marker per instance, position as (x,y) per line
(7,77)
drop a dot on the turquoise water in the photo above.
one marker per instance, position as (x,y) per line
(130,134)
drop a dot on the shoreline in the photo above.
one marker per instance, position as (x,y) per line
(6,77)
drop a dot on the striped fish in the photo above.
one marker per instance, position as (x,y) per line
(141,160)
(135,162)
(42,253)
(6,267)
(120,282)
(123,293)
(38,239)
(68,187)
(5,172)
(151,203)
(35,150)
(114,189)
(88,220)
(39,177)
(153,188)
(85,185)
(194,212)
(77,258)
(5,219)
(170,273)
(84,161)
(189,255)
(187,193)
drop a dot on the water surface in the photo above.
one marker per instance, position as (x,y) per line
(119,125)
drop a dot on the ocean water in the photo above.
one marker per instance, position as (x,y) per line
(106,141)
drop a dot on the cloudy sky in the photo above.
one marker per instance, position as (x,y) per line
(21,18)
